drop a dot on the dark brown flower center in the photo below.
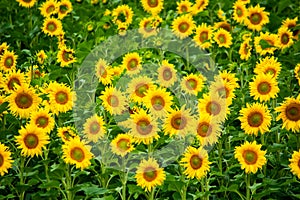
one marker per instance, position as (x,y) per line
(239,12)
(42,121)
(50,9)
(31,140)
(123,145)
(191,84)
(67,56)
(77,154)
(293,111)
(94,128)
(113,100)
(183,8)
(23,100)
(167,74)
(255,119)
(183,27)
(196,162)
(203,36)
(13,82)
(223,92)
(61,97)
(9,62)
(264,88)
(157,102)
(250,157)
(213,108)
(102,71)
(270,71)
(255,18)
(150,174)
(178,122)
(141,89)
(1,160)
(152,3)
(222,38)
(51,26)
(204,129)
(144,127)
(132,64)
(285,38)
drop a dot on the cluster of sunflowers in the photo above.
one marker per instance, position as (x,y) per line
(141,109)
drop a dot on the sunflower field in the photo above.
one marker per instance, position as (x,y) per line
(149,99)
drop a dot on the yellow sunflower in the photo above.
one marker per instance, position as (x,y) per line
(230,78)
(153,6)
(203,36)
(122,15)
(166,74)
(158,101)
(102,72)
(143,127)
(184,6)
(268,65)
(244,1)
(3,47)
(223,89)
(64,7)
(43,119)
(245,50)
(255,118)
(122,29)
(183,26)
(52,26)
(122,144)
(292,23)
(66,56)
(138,88)
(93,128)
(27,3)
(207,130)
(265,43)
(149,174)
(250,156)
(132,62)
(192,83)
(295,163)
(75,152)
(289,113)
(23,101)
(48,8)
(256,18)
(239,12)
(221,15)
(179,122)
(196,163)
(32,140)
(66,133)
(5,159)
(285,38)
(223,38)
(41,56)
(113,100)
(224,25)
(264,87)
(147,27)
(199,6)
(13,79)
(8,61)
(297,72)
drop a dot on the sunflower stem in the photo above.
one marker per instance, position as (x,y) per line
(220,156)
(248,197)
(124,179)
(151,195)
(68,183)
(22,194)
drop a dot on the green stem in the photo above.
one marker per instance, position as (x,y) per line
(220,156)
(68,183)
(207,187)
(22,180)
(151,195)
(124,179)
(248,197)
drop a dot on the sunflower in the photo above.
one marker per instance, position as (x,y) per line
(122,144)
(116,70)
(221,15)
(179,122)
(143,127)
(223,89)
(250,156)
(64,7)
(14,78)
(229,77)
(184,6)
(27,3)
(5,159)
(8,61)
(285,38)
(264,87)
(66,56)
(138,88)
(289,112)
(48,8)
(192,83)
(158,101)
(245,50)
(183,26)
(149,174)
(244,1)
(66,133)
(153,6)
(214,106)
(196,163)
(295,163)
(93,128)
(75,152)
(203,36)
(52,26)
(61,98)
(41,57)
(207,130)
(292,23)
(166,74)
(255,118)
(3,47)
(297,72)
(265,43)
(132,63)
(199,6)
(43,119)
(122,15)
(147,27)
(239,12)
(223,38)
(224,25)
(268,65)
(34,73)
(113,100)
(102,72)
(23,101)
(256,18)
(32,140)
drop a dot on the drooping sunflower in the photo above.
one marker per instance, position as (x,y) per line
(12,79)
(256,18)
(166,74)
(122,15)
(52,26)
(8,61)
(196,163)
(289,113)
(239,12)
(255,118)
(158,101)
(66,133)
(292,23)
(153,6)
(66,56)
(199,6)
(3,47)
(102,72)
(179,122)
(5,159)
(295,163)
(43,120)
(149,174)
(207,130)
(264,87)
(183,26)
(138,88)
(132,63)
(223,38)
(229,77)
(93,128)
(245,50)
(32,140)
(285,38)
(297,72)
(23,101)
(265,43)
(223,89)
(250,156)
(27,3)
(268,65)
(64,7)
(143,127)
(41,56)
(184,6)
(76,152)
(203,36)
(48,8)
(113,100)
(192,83)
(122,144)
